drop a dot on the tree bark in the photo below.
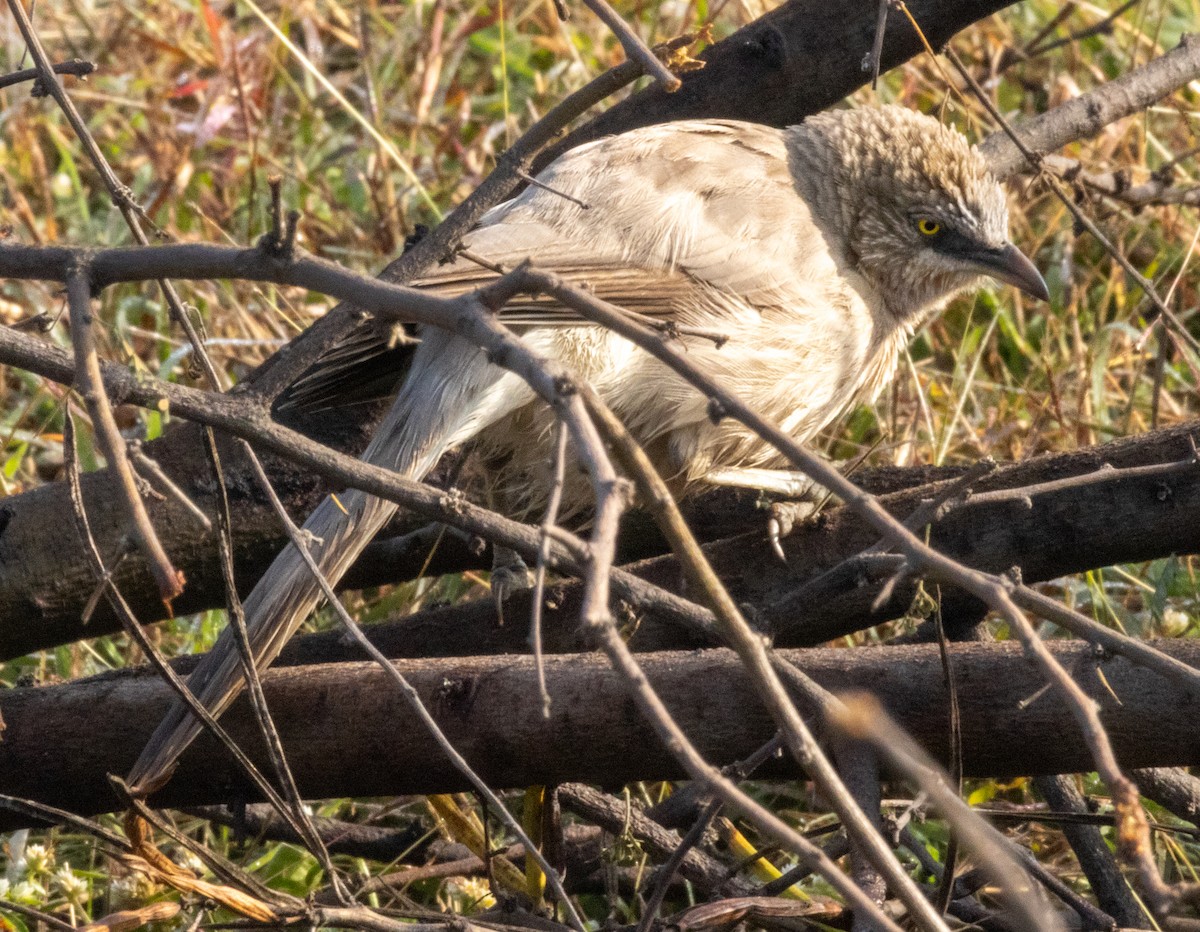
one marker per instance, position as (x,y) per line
(45,583)
(348,732)
(1065,528)
(797,60)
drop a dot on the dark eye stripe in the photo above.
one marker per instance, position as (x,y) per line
(953,243)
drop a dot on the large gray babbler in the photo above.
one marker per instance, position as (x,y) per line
(815,249)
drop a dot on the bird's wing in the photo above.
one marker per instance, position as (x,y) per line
(642,217)
(686,221)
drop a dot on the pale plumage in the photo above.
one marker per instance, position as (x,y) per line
(814,249)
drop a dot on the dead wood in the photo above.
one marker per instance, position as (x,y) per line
(347,733)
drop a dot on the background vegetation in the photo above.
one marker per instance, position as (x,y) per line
(197,103)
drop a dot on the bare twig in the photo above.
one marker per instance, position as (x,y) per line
(139,636)
(109,439)
(1158,190)
(667,872)
(38,916)
(872,62)
(146,465)
(539,581)
(750,647)
(76,68)
(413,699)
(635,48)
(1101,27)
(298,820)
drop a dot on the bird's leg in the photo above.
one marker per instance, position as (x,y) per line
(785,483)
(801,496)
(509,575)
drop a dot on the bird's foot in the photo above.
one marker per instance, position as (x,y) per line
(509,574)
(802,494)
(782,520)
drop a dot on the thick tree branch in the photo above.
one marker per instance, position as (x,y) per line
(347,733)
(797,60)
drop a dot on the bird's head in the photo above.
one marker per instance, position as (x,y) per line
(920,215)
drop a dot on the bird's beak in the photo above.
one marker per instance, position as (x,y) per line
(1008,264)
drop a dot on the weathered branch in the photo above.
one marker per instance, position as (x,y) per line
(1086,115)
(347,733)
(797,60)
(75,67)
(110,442)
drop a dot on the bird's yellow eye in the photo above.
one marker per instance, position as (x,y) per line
(929,227)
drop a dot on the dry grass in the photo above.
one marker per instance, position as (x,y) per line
(197,103)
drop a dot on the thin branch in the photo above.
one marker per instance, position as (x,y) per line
(297,818)
(109,439)
(1158,190)
(1133,832)
(863,718)
(75,67)
(138,634)
(751,649)
(242,417)
(559,463)
(413,699)
(635,48)
(666,873)
(146,465)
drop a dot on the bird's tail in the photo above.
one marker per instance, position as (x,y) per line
(451,393)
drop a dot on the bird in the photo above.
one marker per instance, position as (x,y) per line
(815,250)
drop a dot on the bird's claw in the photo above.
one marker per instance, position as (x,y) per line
(508,577)
(784,516)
